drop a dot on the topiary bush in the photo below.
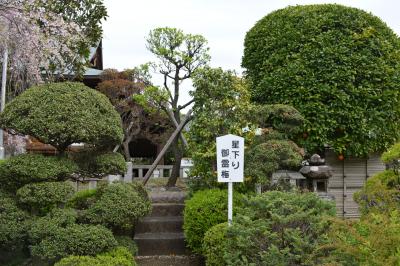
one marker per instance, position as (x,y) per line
(110,163)
(339,66)
(204,210)
(49,224)
(82,199)
(128,243)
(74,240)
(13,224)
(42,197)
(214,245)
(64,113)
(117,257)
(278,228)
(264,159)
(118,206)
(20,170)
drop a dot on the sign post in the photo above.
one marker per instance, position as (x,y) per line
(230,164)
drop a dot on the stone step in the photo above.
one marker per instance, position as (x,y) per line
(166,260)
(161,224)
(168,197)
(160,244)
(167,209)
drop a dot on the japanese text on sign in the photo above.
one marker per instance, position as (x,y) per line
(230,158)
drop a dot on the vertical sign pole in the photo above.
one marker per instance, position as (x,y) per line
(3,98)
(230,202)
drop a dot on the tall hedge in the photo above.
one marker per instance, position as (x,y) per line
(64,113)
(339,66)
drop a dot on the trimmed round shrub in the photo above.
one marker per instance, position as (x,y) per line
(99,164)
(28,168)
(380,193)
(82,199)
(265,158)
(74,240)
(110,163)
(128,243)
(42,197)
(204,210)
(117,257)
(13,224)
(64,113)
(214,245)
(117,206)
(48,225)
(278,228)
(339,66)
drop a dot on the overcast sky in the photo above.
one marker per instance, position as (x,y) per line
(223,23)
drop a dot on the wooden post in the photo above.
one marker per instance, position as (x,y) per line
(165,148)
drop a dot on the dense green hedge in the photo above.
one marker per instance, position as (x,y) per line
(118,206)
(82,199)
(42,197)
(13,224)
(278,228)
(28,168)
(339,66)
(214,245)
(64,113)
(74,240)
(116,257)
(205,209)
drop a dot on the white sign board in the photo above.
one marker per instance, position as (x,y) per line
(230,158)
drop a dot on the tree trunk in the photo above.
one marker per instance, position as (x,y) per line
(125,146)
(178,154)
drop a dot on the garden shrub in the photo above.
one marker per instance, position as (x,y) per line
(13,224)
(214,245)
(278,228)
(28,168)
(110,163)
(48,225)
(128,243)
(339,66)
(64,113)
(82,199)
(381,193)
(97,163)
(117,257)
(41,197)
(204,210)
(264,159)
(74,240)
(118,206)
(374,240)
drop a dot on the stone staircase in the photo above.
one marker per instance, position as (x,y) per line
(160,237)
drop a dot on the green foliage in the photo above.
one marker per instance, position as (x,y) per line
(128,243)
(26,168)
(277,228)
(374,240)
(13,224)
(221,107)
(49,225)
(265,158)
(381,193)
(116,257)
(214,244)
(392,157)
(118,206)
(204,210)
(64,113)
(42,197)
(82,199)
(74,240)
(339,66)
(110,163)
